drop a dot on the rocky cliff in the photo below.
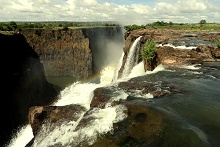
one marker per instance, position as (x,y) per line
(23,83)
(32,54)
(168,55)
(73,52)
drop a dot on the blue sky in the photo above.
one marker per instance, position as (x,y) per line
(122,11)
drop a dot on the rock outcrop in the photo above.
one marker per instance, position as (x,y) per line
(23,83)
(127,132)
(168,55)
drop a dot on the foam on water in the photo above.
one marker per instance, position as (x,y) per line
(192,67)
(69,134)
(137,70)
(157,69)
(66,134)
(77,93)
(22,137)
(179,47)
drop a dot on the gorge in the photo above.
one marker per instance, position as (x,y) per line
(36,54)
(143,108)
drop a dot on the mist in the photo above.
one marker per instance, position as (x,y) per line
(107,50)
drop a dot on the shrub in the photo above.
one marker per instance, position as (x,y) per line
(65,28)
(217,41)
(149,50)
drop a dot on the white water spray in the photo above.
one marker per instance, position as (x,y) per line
(66,134)
(82,93)
(131,58)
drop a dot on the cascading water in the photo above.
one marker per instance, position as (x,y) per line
(81,94)
(187,108)
(132,58)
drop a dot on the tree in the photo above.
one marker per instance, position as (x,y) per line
(202,22)
(13,25)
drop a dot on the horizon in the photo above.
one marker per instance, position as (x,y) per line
(124,12)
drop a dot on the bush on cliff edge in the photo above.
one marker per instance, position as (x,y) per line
(149,51)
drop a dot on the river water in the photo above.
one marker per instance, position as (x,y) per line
(193,109)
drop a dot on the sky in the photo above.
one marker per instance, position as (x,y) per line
(122,11)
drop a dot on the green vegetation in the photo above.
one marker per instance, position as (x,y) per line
(18,26)
(65,25)
(134,27)
(203,22)
(149,50)
(217,41)
(195,27)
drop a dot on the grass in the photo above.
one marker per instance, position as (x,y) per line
(6,32)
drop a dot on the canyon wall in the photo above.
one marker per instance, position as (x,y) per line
(31,55)
(72,52)
(23,83)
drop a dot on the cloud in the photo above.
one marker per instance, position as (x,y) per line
(141,9)
(124,11)
(194,6)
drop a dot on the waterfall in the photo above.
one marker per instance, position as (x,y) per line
(82,94)
(182,92)
(115,77)
(132,58)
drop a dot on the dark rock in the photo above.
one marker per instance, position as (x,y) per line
(53,114)
(145,88)
(141,117)
(24,83)
(101,97)
(144,126)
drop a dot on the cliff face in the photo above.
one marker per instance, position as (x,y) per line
(30,56)
(23,83)
(72,52)
(62,53)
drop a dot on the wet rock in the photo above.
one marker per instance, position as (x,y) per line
(141,117)
(40,115)
(145,88)
(144,126)
(101,97)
